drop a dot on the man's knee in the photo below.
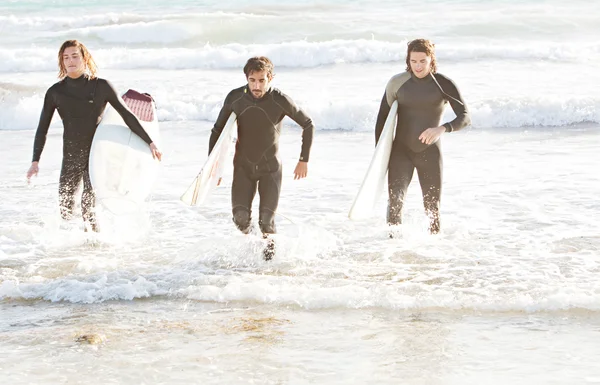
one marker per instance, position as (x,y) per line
(266,222)
(242,219)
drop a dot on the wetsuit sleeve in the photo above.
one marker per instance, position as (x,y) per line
(128,117)
(226,110)
(384,110)
(43,125)
(391,91)
(303,120)
(463,117)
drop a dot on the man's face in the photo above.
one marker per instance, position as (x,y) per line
(420,64)
(73,62)
(258,83)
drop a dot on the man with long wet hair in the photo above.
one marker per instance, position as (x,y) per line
(422,94)
(80,98)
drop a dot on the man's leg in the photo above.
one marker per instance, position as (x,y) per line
(243,190)
(400,173)
(429,165)
(71,173)
(269,189)
(88,201)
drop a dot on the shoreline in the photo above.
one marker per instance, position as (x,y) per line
(159,342)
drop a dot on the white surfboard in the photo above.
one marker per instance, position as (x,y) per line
(122,170)
(374,182)
(211,174)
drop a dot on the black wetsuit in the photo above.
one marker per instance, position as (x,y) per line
(80,103)
(421,104)
(256,161)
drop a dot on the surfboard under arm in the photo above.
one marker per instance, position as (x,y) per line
(211,173)
(374,180)
(122,170)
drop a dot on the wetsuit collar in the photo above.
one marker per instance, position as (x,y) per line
(80,81)
(426,79)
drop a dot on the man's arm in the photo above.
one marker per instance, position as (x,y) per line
(384,110)
(41,133)
(303,120)
(390,94)
(463,117)
(43,125)
(224,114)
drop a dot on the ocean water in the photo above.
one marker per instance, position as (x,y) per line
(507,292)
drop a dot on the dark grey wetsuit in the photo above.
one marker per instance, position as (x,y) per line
(80,103)
(421,103)
(256,163)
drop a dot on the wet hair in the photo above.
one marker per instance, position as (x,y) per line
(257,64)
(425,46)
(90,65)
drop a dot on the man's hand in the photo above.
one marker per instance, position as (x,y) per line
(156,154)
(431,135)
(33,170)
(301,170)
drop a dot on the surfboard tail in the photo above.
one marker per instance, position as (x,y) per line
(190,196)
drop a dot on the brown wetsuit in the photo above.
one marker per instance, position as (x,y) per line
(256,163)
(421,103)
